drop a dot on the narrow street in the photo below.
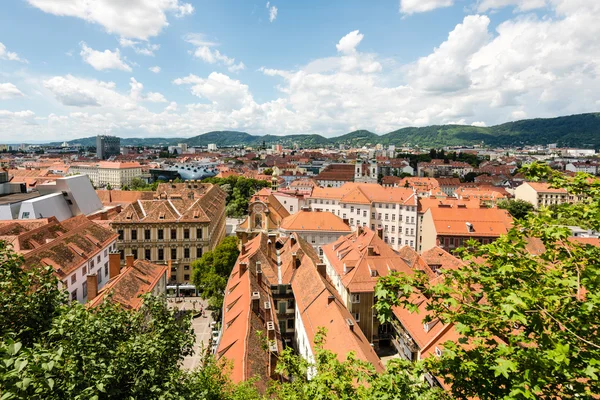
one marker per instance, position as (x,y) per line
(200,325)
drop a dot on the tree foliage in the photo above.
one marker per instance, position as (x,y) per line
(239,191)
(528,320)
(517,208)
(53,349)
(212,270)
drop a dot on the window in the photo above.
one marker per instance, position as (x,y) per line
(173,234)
(290,324)
(134,234)
(386,217)
(364,213)
(407,219)
(173,253)
(173,277)
(147,254)
(161,234)
(186,277)
(98,258)
(351,209)
(198,252)
(198,233)
(344,215)
(356,316)
(438,352)
(186,233)
(84,289)
(393,217)
(74,295)
(161,254)
(122,254)
(351,221)
(355,298)
(393,229)
(147,234)
(186,267)
(186,253)
(291,304)
(120,232)
(106,269)
(392,240)
(134,253)
(105,252)
(99,275)
(373,215)
(25,215)
(291,208)
(379,216)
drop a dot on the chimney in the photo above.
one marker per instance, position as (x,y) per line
(243,268)
(330,299)
(114,260)
(129,260)
(92,286)
(256,302)
(293,239)
(322,270)
(243,249)
(269,244)
(380,233)
(359,231)
(259,272)
(370,251)
(295,261)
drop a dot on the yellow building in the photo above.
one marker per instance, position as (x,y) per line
(183,221)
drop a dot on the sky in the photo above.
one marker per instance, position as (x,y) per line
(180,68)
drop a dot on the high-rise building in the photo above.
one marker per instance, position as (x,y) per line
(107,146)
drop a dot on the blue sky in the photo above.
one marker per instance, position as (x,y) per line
(70,68)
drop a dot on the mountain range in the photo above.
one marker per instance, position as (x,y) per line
(581,130)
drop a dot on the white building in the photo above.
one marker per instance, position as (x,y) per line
(587,167)
(391,211)
(115,174)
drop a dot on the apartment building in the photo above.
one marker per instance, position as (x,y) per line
(586,167)
(182,222)
(354,263)
(443,168)
(540,194)
(317,228)
(450,227)
(75,248)
(107,146)
(392,210)
(108,173)
(336,175)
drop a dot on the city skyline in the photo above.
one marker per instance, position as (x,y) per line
(181,68)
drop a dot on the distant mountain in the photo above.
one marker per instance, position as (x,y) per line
(582,130)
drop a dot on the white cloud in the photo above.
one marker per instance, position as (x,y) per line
(155,69)
(129,19)
(521,5)
(348,43)
(419,6)
(145,49)
(525,67)
(136,93)
(272,11)
(205,52)
(479,123)
(9,91)
(102,60)
(9,55)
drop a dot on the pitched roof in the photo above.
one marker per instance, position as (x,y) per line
(545,188)
(337,172)
(314,221)
(65,245)
(366,193)
(131,283)
(485,222)
(362,257)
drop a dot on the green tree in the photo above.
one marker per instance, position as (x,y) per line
(212,270)
(268,171)
(527,322)
(517,208)
(53,349)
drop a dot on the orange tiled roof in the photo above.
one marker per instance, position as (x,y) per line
(133,282)
(65,245)
(486,222)
(314,221)
(545,188)
(366,193)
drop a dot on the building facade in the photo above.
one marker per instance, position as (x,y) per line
(182,222)
(389,209)
(541,194)
(107,146)
(109,174)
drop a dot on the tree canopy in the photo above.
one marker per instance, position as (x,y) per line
(239,191)
(526,307)
(517,208)
(212,270)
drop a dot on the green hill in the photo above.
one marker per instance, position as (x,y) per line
(582,130)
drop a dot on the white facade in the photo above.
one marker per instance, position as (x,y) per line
(292,203)
(330,183)
(102,176)
(97,263)
(50,205)
(582,167)
(303,344)
(397,221)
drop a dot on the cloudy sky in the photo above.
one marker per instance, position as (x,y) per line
(178,68)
